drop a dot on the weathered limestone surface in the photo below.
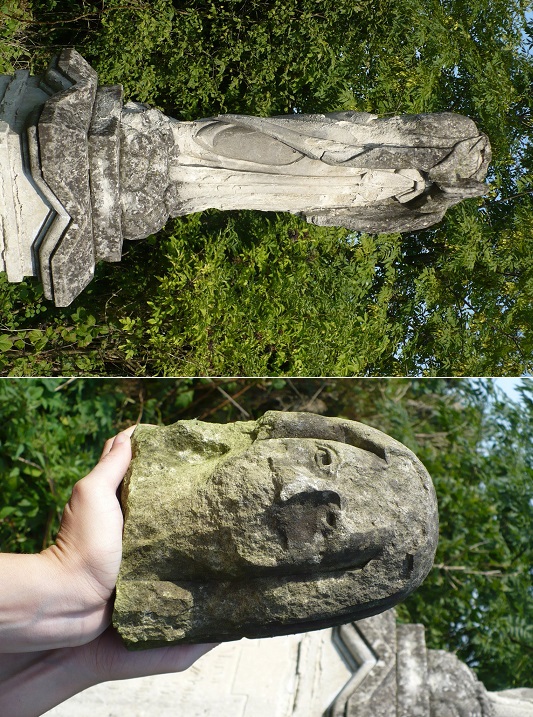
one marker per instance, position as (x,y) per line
(349,169)
(146,146)
(373,686)
(24,210)
(80,172)
(517,702)
(104,164)
(412,668)
(454,689)
(289,523)
(63,128)
(58,219)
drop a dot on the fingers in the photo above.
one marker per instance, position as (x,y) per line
(166,659)
(112,661)
(90,537)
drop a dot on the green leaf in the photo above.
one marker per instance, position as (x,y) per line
(6,342)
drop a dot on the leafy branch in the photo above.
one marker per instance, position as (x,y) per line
(529,192)
(70,20)
(465,570)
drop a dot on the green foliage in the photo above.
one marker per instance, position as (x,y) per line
(223,56)
(244,294)
(51,434)
(477,600)
(47,434)
(425,303)
(14,51)
(39,340)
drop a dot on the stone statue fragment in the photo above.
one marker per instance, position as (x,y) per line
(350,169)
(81,171)
(290,523)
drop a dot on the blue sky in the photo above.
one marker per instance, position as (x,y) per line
(508,386)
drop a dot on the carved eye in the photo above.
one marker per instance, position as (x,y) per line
(324,458)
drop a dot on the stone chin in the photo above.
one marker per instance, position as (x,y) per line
(290,523)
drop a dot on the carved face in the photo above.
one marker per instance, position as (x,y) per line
(294,521)
(289,505)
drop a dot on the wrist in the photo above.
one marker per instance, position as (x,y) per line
(81,612)
(43,605)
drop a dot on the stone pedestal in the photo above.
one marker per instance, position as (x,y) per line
(59,176)
(25,210)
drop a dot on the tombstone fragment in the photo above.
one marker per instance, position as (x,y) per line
(286,524)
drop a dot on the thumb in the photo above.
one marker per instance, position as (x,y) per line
(91,526)
(114,461)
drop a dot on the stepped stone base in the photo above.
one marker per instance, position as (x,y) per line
(59,175)
(79,172)
(62,132)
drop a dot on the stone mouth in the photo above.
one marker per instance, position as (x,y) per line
(337,562)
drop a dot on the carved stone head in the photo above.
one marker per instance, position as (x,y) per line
(268,527)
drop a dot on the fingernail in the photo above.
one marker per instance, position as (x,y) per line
(121,438)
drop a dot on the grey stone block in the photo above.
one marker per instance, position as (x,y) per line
(104,154)
(454,689)
(62,132)
(58,219)
(56,81)
(412,671)
(375,696)
(146,144)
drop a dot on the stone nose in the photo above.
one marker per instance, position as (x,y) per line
(307,515)
(314,498)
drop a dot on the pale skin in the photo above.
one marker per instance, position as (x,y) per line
(55,606)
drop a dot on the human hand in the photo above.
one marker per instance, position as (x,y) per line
(62,596)
(88,549)
(32,683)
(55,607)
(106,658)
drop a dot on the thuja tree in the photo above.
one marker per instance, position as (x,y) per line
(255,294)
